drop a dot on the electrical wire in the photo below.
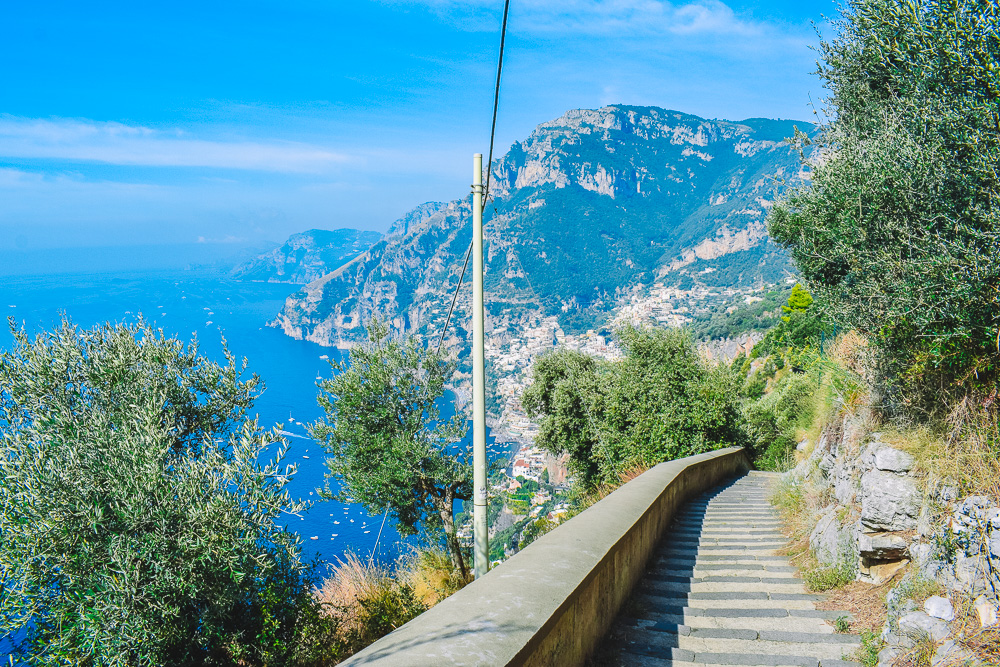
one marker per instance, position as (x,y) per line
(489,167)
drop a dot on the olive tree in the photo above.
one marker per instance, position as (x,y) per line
(897,231)
(137,523)
(390,448)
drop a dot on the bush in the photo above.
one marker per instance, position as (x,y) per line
(139,526)
(659,403)
(772,421)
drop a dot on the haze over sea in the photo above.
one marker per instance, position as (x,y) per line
(203,302)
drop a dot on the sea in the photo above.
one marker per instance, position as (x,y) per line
(203,304)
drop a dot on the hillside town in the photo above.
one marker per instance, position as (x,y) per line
(512,358)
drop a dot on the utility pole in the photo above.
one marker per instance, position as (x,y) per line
(480,500)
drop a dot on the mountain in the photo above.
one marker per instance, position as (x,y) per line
(591,211)
(307,256)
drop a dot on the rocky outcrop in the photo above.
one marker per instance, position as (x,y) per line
(885,518)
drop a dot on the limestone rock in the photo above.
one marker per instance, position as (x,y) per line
(882,546)
(939,607)
(826,464)
(890,459)
(887,656)
(845,483)
(970,573)
(888,501)
(987,612)
(972,515)
(947,493)
(916,624)
(825,538)
(877,572)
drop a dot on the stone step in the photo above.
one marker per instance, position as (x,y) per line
(746,606)
(665,590)
(701,570)
(676,577)
(719,593)
(744,642)
(786,587)
(716,550)
(723,525)
(762,559)
(655,659)
(724,541)
(698,618)
(783,636)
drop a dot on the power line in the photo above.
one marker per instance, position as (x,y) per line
(489,167)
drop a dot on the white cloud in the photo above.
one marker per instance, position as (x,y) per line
(120,144)
(707,17)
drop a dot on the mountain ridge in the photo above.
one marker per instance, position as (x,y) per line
(589,206)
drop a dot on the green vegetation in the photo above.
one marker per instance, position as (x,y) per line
(824,578)
(757,316)
(660,402)
(896,233)
(389,446)
(871,644)
(139,527)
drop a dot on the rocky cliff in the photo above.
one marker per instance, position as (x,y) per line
(588,208)
(308,256)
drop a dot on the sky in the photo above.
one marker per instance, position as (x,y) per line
(126,123)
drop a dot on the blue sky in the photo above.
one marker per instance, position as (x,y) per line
(144,123)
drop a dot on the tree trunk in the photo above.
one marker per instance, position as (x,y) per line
(448,522)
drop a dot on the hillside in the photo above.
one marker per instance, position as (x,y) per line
(590,211)
(307,256)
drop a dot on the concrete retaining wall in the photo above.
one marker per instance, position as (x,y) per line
(551,603)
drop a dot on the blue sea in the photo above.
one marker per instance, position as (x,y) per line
(204,304)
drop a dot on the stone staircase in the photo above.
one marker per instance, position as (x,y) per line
(718,594)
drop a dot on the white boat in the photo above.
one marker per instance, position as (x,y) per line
(314,537)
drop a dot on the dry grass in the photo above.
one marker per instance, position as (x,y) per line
(431,576)
(352,584)
(864,602)
(367,601)
(796,503)
(965,451)
(984,644)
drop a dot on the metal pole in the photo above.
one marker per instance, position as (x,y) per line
(482,552)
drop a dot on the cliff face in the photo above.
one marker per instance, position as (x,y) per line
(308,256)
(586,209)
